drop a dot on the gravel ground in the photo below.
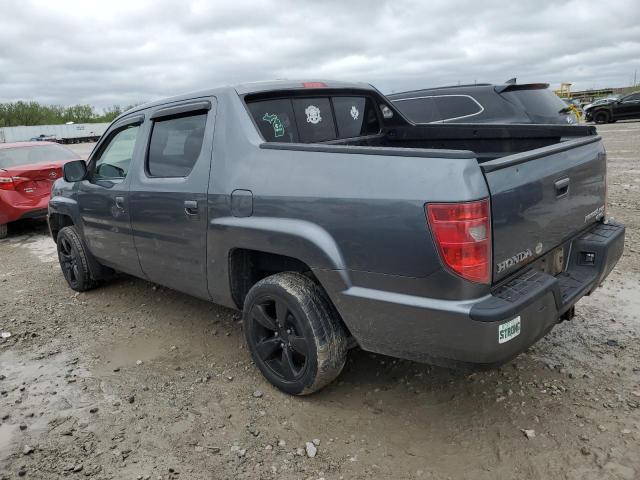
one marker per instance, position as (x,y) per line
(135,381)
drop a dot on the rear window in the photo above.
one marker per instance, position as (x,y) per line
(13,157)
(540,104)
(438,108)
(275,120)
(314,119)
(355,116)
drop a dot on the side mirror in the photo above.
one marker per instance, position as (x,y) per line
(75,171)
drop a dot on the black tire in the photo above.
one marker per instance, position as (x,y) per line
(601,117)
(4,231)
(73,260)
(294,333)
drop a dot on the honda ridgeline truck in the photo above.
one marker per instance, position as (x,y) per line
(331,220)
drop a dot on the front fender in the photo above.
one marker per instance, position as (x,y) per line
(67,207)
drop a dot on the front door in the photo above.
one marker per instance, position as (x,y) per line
(103,198)
(629,107)
(168,198)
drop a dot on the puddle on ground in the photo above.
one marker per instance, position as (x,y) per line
(7,432)
(35,389)
(127,353)
(40,246)
(619,295)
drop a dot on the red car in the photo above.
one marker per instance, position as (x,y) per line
(27,171)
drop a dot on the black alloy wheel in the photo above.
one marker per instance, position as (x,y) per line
(73,260)
(294,333)
(278,338)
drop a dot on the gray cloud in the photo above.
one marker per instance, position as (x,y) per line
(121,52)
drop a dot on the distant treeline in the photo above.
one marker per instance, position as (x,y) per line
(33,113)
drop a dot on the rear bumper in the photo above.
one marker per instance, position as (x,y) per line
(14,206)
(450,333)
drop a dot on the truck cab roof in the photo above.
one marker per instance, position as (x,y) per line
(259,87)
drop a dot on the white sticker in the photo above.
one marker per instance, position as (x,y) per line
(313,114)
(354,112)
(509,330)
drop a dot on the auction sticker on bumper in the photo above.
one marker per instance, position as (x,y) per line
(509,330)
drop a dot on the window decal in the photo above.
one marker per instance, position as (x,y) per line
(276,123)
(313,114)
(354,112)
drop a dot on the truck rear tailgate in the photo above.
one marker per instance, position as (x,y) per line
(541,198)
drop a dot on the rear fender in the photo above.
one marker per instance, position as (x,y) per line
(299,239)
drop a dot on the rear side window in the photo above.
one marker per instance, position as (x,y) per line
(175,145)
(419,110)
(438,108)
(355,116)
(275,120)
(315,119)
(456,106)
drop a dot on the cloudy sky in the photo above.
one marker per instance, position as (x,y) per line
(121,52)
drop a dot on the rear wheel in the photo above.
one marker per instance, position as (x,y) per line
(3,230)
(73,260)
(601,117)
(294,333)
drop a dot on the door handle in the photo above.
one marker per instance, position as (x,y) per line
(119,203)
(191,207)
(562,187)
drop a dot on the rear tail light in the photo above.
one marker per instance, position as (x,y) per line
(462,232)
(7,182)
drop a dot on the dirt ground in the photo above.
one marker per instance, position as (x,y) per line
(135,381)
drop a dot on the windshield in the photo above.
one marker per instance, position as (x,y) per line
(17,156)
(541,105)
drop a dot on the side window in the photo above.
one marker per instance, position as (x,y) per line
(275,120)
(115,158)
(419,110)
(175,145)
(456,106)
(633,98)
(355,116)
(315,119)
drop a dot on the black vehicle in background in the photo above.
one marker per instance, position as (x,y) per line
(485,103)
(612,109)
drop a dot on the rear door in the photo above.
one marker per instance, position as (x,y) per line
(541,198)
(629,107)
(169,196)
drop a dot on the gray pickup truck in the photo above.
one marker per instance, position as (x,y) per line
(331,221)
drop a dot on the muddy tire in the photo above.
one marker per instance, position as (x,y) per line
(294,333)
(3,230)
(73,260)
(601,117)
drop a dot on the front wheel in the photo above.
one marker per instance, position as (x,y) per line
(601,117)
(294,333)
(73,260)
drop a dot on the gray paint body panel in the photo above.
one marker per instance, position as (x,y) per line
(354,215)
